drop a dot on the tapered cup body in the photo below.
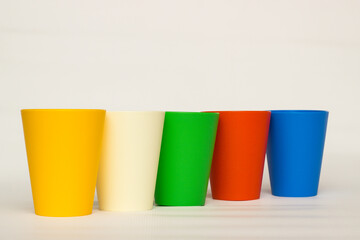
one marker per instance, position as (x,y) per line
(239,155)
(63,149)
(185,158)
(129,160)
(295,151)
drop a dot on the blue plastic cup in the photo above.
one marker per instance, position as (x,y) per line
(295,150)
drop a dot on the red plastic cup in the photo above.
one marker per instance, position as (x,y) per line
(239,155)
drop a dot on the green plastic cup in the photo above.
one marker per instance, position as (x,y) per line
(185,158)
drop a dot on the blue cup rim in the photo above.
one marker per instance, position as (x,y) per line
(299,111)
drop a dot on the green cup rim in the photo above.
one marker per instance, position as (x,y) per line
(192,113)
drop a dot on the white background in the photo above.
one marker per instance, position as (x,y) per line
(188,55)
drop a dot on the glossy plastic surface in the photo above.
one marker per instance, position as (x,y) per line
(239,155)
(295,150)
(185,158)
(63,150)
(129,160)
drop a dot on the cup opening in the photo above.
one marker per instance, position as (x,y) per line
(299,111)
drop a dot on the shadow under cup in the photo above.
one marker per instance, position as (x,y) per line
(295,151)
(63,150)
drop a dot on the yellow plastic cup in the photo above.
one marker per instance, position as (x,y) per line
(63,150)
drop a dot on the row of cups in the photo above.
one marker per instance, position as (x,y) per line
(132,156)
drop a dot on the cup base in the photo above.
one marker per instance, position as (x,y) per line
(294,195)
(62,215)
(179,205)
(126,209)
(235,199)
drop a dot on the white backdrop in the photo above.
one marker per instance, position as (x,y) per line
(187,55)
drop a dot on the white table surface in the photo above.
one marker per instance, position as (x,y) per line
(333,214)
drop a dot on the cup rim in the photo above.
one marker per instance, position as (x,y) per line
(239,111)
(299,111)
(200,113)
(58,110)
(135,111)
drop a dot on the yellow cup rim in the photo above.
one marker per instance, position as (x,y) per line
(60,110)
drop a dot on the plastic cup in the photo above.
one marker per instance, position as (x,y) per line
(295,151)
(63,149)
(129,161)
(239,155)
(185,158)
